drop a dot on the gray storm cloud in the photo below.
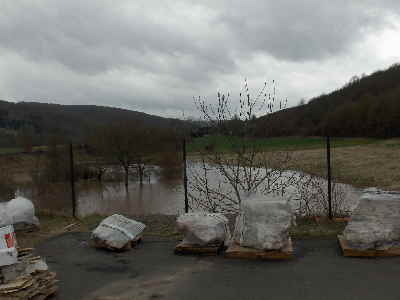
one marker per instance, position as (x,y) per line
(155,55)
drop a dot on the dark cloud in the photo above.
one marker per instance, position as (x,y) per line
(154,55)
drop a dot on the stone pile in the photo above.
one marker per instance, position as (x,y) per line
(204,229)
(117,232)
(375,223)
(263,225)
(28,279)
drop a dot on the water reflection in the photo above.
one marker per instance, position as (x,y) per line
(154,197)
(159,194)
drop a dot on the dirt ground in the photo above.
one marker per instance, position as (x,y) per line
(159,226)
(53,225)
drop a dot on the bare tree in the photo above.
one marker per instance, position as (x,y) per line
(127,143)
(312,199)
(25,138)
(245,168)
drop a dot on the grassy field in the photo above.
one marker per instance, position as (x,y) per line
(372,165)
(10,150)
(226,144)
(356,161)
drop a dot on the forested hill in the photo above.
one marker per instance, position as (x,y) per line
(69,121)
(365,107)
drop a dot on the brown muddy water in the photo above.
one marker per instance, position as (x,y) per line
(157,195)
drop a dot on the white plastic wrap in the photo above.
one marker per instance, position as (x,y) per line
(263,225)
(375,223)
(18,210)
(116,232)
(203,229)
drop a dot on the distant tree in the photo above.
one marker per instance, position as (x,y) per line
(127,143)
(25,138)
(302,102)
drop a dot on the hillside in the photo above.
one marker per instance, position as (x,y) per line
(69,121)
(365,107)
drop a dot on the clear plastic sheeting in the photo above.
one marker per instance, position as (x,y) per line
(263,225)
(375,223)
(203,229)
(117,232)
(18,211)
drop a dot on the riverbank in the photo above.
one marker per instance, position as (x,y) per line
(358,162)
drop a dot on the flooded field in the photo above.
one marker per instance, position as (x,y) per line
(158,195)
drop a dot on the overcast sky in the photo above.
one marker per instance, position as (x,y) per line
(154,56)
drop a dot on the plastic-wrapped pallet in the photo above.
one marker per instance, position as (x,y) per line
(263,225)
(203,229)
(375,223)
(117,232)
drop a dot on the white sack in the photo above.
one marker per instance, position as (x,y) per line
(117,232)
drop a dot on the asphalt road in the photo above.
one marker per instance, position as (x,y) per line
(152,271)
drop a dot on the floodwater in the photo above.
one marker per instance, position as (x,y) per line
(159,195)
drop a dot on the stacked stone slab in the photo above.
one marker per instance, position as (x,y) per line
(375,223)
(117,232)
(204,229)
(28,279)
(263,224)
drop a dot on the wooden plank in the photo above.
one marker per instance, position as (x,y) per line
(350,252)
(236,251)
(183,248)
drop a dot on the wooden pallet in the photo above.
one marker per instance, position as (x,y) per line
(350,252)
(97,243)
(210,250)
(236,251)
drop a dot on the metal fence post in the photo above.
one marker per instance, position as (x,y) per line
(185,180)
(328,159)
(72,180)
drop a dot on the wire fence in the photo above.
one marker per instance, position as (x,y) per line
(69,181)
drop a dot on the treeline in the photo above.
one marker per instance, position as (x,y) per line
(368,106)
(118,151)
(32,123)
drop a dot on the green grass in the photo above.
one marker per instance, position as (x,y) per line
(308,229)
(225,143)
(9,150)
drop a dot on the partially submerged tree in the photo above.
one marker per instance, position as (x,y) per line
(130,144)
